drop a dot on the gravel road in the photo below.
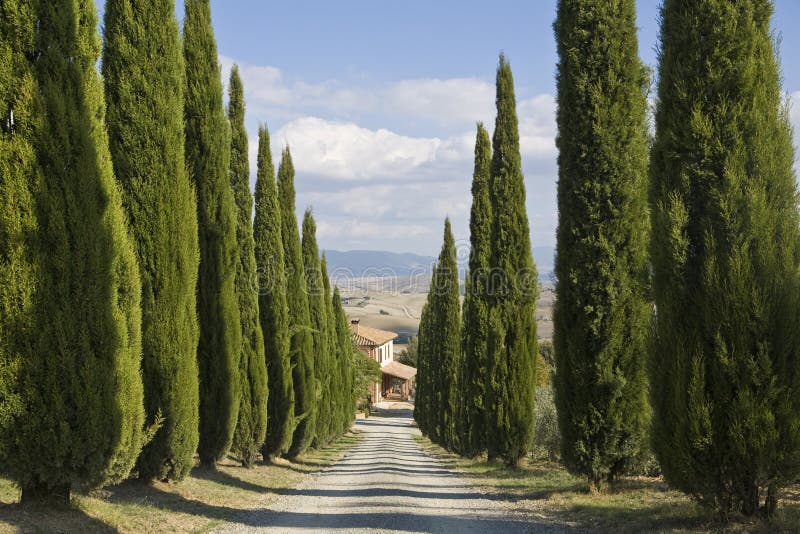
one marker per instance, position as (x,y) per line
(387,483)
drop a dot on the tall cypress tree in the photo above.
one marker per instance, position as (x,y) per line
(272,306)
(143,73)
(725,251)
(81,382)
(208,157)
(332,392)
(447,353)
(512,289)
(476,314)
(345,356)
(319,324)
(601,317)
(19,179)
(425,401)
(301,342)
(251,426)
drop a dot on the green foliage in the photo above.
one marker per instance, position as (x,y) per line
(447,324)
(725,250)
(408,356)
(601,317)
(356,372)
(437,397)
(19,180)
(272,306)
(82,389)
(512,290)
(332,394)
(143,74)
(475,332)
(208,157)
(425,402)
(318,313)
(251,426)
(301,342)
(547,354)
(366,372)
(546,437)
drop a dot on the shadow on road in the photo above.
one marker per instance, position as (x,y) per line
(405,522)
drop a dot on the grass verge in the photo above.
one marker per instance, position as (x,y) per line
(547,492)
(201,502)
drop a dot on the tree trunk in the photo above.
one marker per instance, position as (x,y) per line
(596,484)
(771,502)
(208,463)
(750,499)
(37,493)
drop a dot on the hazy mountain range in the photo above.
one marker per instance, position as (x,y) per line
(376,263)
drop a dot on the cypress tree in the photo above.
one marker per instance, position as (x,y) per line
(346,353)
(19,179)
(512,289)
(143,73)
(425,402)
(272,306)
(447,353)
(725,250)
(319,323)
(420,395)
(251,426)
(301,342)
(601,317)
(476,316)
(332,393)
(208,157)
(81,381)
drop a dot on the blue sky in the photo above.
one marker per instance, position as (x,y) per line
(378,101)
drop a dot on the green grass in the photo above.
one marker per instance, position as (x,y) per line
(204,500)
(637,504)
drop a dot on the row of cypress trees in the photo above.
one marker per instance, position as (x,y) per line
(722,347)
(475,387)
(717,208)
(145,319)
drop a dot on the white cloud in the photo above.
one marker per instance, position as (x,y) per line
(415,201)
(359,229)
(347,151)
(537,126)
(456,100)
(344,150)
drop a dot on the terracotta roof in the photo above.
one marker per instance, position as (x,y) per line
(395,368)
(371,337)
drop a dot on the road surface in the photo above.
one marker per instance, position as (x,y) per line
(387,483)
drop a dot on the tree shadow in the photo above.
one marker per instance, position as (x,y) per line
(221,477)
(656,518)
(445,493)
(40,519)
(354,470)
(387,521)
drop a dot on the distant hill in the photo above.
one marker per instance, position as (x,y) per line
(376,263)
(369,263)
(545,261)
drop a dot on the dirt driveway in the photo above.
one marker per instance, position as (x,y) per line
(387,483)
